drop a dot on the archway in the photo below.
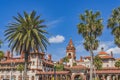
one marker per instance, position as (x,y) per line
(78,77)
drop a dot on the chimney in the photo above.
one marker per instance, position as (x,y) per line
(81,58)
(8,54)
(111,53)
(49,57)
(102,49)
(61,61)
(22,55)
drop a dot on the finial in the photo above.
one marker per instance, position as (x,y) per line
(102,49)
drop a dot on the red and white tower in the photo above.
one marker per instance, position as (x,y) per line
(71,52)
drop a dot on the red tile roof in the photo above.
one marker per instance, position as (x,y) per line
(102,53)
(12,60)
(107,71)
(52,72)
(78,67)
(87,57)
(80,60)
(106,57)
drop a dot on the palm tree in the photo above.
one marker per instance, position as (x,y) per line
(117,64)
(90,27)
(97,62)
(20,68)
(114,25)
(27,34)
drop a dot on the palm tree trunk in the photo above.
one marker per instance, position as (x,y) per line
(25,69)
(91,64)
(22,75)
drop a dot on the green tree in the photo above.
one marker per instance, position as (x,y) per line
(20,68)
(65,60)
(59,67)
(27,34)
(97,62)
(117,64)
(1,54)
(1,42)
(90,27)
(114,25)
(74,64)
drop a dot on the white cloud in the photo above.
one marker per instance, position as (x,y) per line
(56,39)
(115,50)
(53,23)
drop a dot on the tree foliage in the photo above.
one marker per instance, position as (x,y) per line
(27,33)
(1,54)
(114,25)
(74,64)
(65,59)
(1,42)
(90,27)
(117,64)
(20,67)
(97,62)
(59,67)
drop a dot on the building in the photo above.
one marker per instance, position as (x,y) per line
(42,68)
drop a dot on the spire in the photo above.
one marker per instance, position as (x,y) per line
(70,43)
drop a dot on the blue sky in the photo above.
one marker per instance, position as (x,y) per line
(61,17)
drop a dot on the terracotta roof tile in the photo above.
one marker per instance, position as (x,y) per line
(107,71)
(106,57)
(52,72)
(102,53)
(78,67)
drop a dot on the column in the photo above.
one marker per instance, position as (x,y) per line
(36,77)
(16,77)
(30,77)
(103,77)
(116,76)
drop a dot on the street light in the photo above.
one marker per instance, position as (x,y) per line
(54,70)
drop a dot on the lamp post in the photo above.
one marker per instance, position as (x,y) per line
(54,70)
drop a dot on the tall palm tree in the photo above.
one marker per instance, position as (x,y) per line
(114,25)
(27,34)
(20,68)
(90,27)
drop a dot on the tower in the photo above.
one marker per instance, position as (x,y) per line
(70,50)
(70,53)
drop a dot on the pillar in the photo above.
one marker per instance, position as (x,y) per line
(116,76)
(36,77)
(30,77)
(16,77)
(103,77)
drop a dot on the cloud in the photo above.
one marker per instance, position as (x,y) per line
(53,23)
(106,45)
(115,50)
(56,39)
